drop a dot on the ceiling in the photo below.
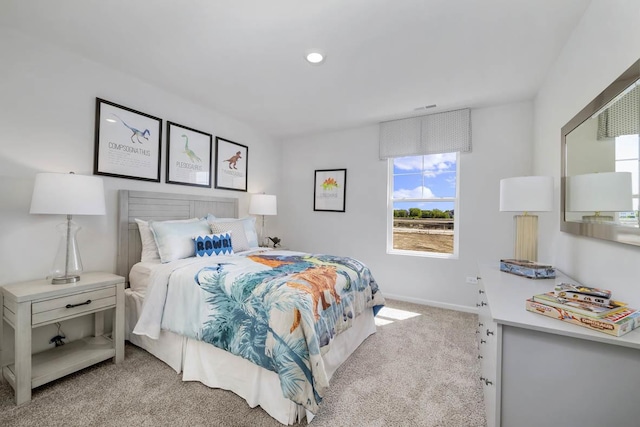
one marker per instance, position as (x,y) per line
(384,58)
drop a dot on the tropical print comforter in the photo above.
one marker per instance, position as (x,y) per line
(280,311)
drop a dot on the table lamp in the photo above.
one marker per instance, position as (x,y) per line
(599,192)
(263,204)
(526,194)
(67,194)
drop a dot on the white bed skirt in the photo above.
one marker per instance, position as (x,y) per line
(218,368)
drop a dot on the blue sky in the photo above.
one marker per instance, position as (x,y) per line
(428,177)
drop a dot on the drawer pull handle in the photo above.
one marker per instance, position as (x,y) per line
(87,302)
(480,324)
(487,382)
(480,356)
(480,291)
(482,341)
(482,303)
(489,332)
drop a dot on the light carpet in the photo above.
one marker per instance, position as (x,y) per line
(421,371)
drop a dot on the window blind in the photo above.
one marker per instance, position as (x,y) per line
(622,118)
(432,134)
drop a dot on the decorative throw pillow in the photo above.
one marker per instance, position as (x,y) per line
(249,224)
(213,244)
(175,239)
(239,239)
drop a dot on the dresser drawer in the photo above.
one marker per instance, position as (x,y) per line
(56,309)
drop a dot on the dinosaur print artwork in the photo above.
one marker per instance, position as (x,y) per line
(135,132)
(188,155)
(127,142)
(192,156)
(233,160)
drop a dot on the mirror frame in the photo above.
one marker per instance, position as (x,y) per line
(612,232)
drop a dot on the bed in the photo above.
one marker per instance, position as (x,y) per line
(161,320)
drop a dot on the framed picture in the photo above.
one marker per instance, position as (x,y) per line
(329,190)
(232,161)
(188,156)
(127,143)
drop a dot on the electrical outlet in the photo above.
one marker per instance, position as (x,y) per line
(473,280)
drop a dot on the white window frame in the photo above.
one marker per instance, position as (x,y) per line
(456,216)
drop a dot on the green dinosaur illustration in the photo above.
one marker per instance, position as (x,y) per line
(190,152)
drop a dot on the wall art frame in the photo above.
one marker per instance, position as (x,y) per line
(330,190)
(188,156)
(127,143)
(232,165)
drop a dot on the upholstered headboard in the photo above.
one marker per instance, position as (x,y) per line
(148,205)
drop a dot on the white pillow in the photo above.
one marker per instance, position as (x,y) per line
(149,247)
(174,239)
(238,237)
(249,224)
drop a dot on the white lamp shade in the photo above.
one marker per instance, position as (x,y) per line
(598,192)
(526,194)
(68,194)
(263,204)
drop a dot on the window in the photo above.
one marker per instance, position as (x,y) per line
(628,160)
(423,202)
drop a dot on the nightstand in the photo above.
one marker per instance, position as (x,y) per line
(29,305)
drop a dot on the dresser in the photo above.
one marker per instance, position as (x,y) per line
(29,305)
(538,371)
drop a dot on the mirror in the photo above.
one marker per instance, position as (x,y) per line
(601,162)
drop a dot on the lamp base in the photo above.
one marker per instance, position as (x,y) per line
(63,280)
(526,247)
(597,218)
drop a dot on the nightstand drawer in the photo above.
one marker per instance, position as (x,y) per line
(53,310)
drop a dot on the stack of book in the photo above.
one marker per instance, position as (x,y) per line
(589,307)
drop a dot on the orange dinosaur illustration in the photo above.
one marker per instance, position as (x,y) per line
(317,281)
(269,262)
(233,160)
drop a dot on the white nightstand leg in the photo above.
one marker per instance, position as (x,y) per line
(98,329)
(118,324)
(23,352)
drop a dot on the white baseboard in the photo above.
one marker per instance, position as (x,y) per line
(421,301)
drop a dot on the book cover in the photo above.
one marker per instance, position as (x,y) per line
(584,297)
(616,328)
(580,307)
(579,289)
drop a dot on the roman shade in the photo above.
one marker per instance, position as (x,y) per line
(622,117)
(431,134)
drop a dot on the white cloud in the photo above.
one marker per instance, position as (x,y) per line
(434,164)
(417,193)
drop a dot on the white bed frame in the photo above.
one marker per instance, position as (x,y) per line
(197,360)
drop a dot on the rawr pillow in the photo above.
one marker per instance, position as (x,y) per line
(213,244)
(175,239)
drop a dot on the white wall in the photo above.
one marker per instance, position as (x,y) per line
(502,147)
(47,110)
(604,44)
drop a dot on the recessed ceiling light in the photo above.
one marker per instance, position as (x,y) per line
(111,120)
(315,58)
